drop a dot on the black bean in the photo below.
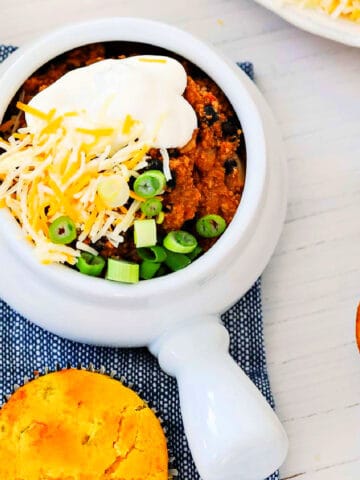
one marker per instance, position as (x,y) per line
(189,225)
(211,116)
(241,150)
(154,164)
(174,153)
(229,165)
(229,128)
(172,182)
(100,244)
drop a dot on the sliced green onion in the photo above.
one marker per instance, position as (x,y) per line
(180,241)
(148,269)
(160,218)
(121,271)
(195,253)
(62,230)
(113,190)
(151,207)
(150,183)
(210,226)
(176,261)
(153,254)
(158,174)
(144,233)
(90,264)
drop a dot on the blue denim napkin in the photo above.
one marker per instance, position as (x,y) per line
(25,347)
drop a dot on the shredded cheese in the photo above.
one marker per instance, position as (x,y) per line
(49,172)
(97,132)
(32,111)
(347,9)
(129,122)
(86,248)
(152,60)
(136,197)
(166,163)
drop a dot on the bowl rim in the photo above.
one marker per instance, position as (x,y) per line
(27,59)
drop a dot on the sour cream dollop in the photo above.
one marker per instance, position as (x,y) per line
(148,90)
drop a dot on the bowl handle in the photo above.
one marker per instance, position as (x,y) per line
(231,429)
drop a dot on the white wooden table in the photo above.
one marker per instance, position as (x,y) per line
(311,286)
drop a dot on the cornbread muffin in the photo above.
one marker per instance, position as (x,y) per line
(78,425)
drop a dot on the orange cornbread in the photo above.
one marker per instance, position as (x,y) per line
(79,425)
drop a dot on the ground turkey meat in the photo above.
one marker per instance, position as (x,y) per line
(204,182)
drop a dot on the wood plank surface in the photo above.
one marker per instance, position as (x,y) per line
(311,286)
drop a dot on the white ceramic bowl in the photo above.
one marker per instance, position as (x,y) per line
(232,431)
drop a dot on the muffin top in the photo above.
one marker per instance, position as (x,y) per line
(79,425)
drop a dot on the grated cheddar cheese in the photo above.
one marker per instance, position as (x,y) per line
(51,172)
(346,9)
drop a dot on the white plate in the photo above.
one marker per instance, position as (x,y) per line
(316,22)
